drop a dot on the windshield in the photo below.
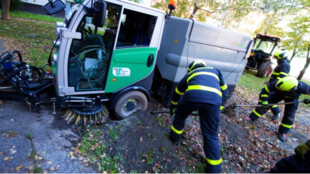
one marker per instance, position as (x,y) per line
(71,14)
(264,45)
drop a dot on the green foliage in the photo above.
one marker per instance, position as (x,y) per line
(37,170)
(94,149)
(113,133)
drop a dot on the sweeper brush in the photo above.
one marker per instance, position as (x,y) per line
(85,117)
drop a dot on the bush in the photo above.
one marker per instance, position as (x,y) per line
(14,5)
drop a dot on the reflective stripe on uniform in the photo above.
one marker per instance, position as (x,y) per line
(202,73)
(224,87)
(178,92)
(283,73)
(256,113)
(174,103)
(222,107)
(214,162)
(264,95)
(275,73)
(273,106)
(204,88)
(266,88)
(175,130)
(286,125)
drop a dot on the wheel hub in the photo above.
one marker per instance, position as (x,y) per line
(130,105)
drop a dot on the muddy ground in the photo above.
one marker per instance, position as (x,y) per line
(140,143)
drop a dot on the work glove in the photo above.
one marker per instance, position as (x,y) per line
(302,149)
(172,109)
(265,104)
(306,101)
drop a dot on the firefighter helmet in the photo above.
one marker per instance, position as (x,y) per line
(287,84)
(280,55)
(196,64)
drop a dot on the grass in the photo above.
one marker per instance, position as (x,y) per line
(251,83)
(31,34)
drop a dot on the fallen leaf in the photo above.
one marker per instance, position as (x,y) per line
(49,162)
(70,154)
(141,139)
(19,167)
(9,158)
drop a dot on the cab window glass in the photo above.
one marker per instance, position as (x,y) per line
(136,29)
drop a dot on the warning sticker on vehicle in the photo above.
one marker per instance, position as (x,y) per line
(121,72)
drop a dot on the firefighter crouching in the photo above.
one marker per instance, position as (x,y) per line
(297,163)
(202,89)
(280,71)
(288,89)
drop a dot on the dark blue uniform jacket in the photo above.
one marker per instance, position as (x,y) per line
(203,85)
(281,70)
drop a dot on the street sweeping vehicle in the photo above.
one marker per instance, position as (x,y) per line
(261,54)
(109,56)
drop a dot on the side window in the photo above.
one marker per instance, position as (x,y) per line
(136,29)
(89,57)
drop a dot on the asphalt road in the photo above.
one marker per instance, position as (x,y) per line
(23,132)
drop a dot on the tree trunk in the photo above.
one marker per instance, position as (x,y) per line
(194,10)
(302,72)
(293,55)
(5,9)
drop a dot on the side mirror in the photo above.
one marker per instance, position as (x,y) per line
(100,9)
(53,7)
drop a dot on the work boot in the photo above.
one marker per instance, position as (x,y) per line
(282,136)
(248,119)
(174,141)
(275,117)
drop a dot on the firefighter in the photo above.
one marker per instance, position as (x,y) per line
(280,71)
(297,163)
(202,89)
(288,89)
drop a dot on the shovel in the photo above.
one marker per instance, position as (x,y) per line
(229,109)
(168,111)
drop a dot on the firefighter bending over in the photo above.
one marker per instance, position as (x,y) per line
(288,89)
(202,89)
(280,71)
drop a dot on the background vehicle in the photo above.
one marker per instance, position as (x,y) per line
(261,54)
(110,55)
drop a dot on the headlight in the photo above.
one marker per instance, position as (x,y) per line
(55,57)
(60,25)
(57,44)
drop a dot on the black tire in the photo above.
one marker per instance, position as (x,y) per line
(129,103)
(264,69)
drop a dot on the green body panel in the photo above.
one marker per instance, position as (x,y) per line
(129,66)
(54,72)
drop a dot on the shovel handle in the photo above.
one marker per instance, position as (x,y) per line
(168,111)
(271,104)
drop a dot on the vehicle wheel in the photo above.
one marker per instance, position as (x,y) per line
(129,103)
(264,69)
